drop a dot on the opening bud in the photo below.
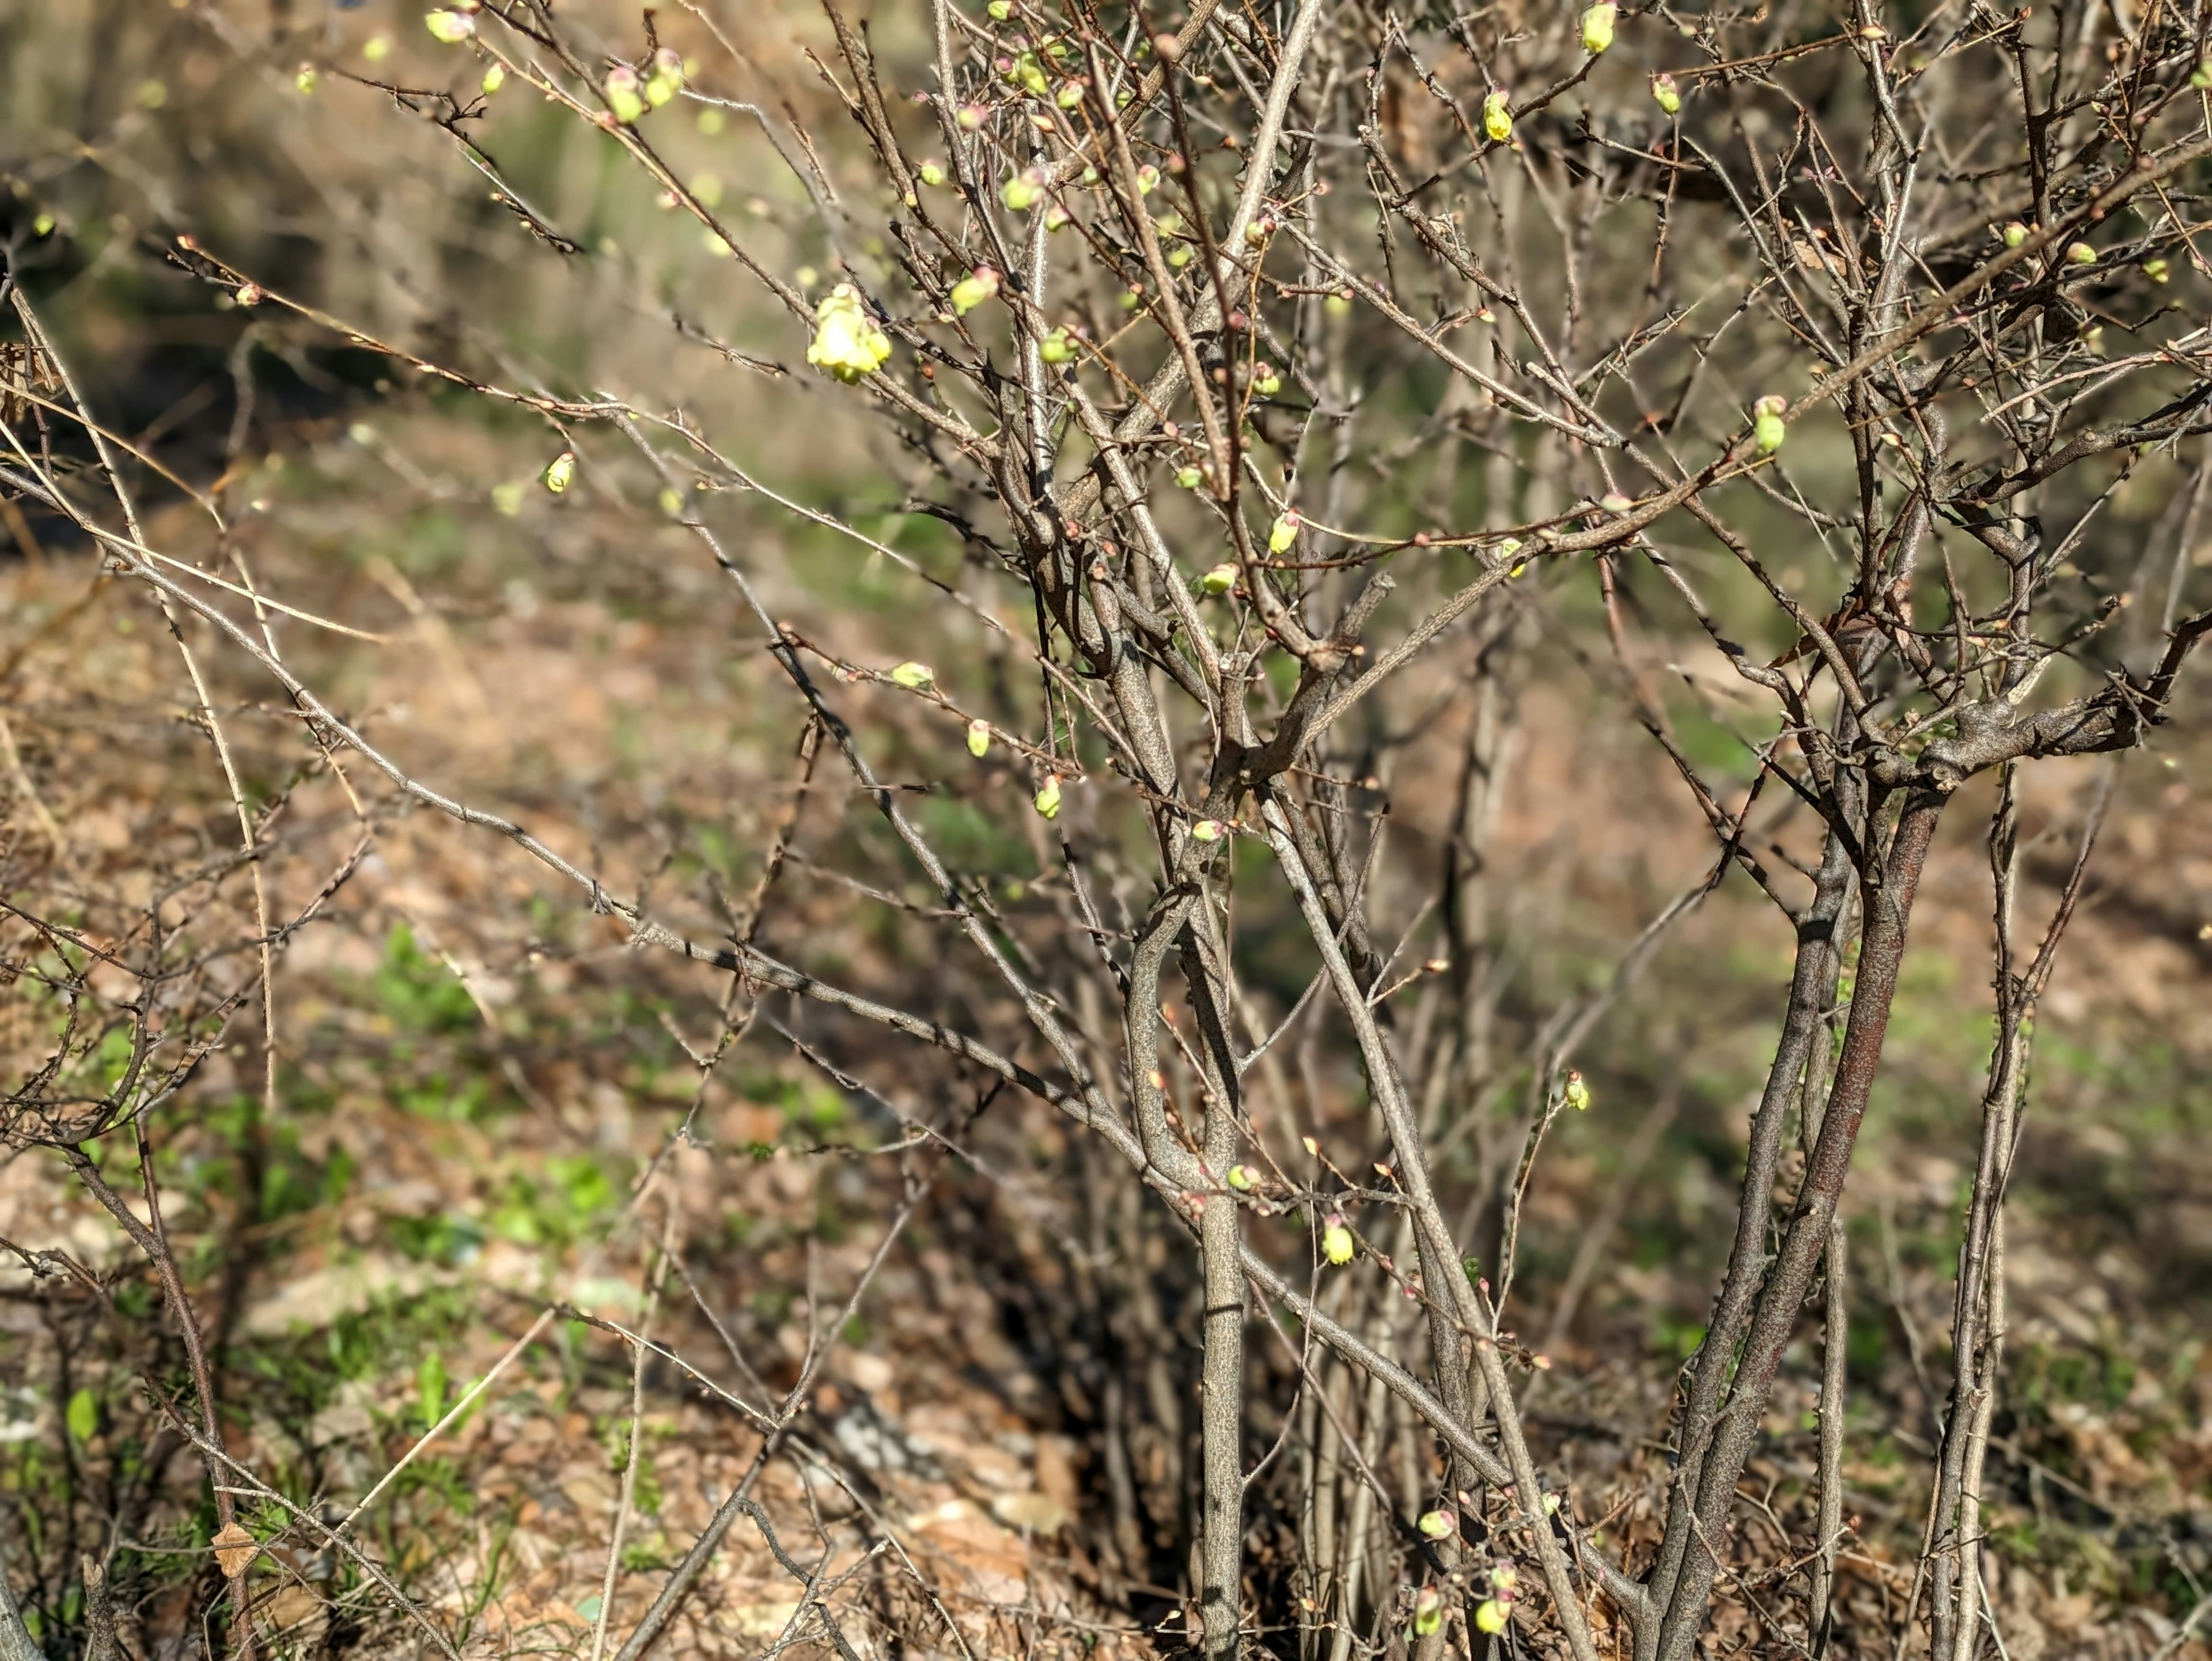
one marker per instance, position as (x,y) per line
(931,174)
(1577,1094)
(1284,533)
(847,340)
(2015,234)
(1438,1525)
(560,471)
(448,26)
(979,738)
(1208,830)
(1240,1178)
(1047,799)
(914,676)
(1597,27)
(1666,94)
(1490,1616)
(2081,254)
(1497,117)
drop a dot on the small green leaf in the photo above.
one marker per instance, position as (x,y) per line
(83,1416)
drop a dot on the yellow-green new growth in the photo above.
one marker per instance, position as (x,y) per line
(914,676)
(979,738)
(846,341)
(1046,800)
(1240,1178)
(1577,1094)
(1666,94)
(1285,533)
(560,470)
(1497,117)
(1597,27)
(1490,1616)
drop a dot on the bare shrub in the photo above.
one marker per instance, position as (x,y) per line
(1300,388)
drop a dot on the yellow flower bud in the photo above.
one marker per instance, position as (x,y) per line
(1597,27)
(451,27)
(1046,800)
(1666,94)
(494,79)
(1336,1242)
(1285,533)
(979,738)
(1207,831)
(1021,192)
(560,471)
(1767,424)
(846,341)
(932,173)
(305,80)
(625,98)
(666,80)
(2015,234)
(1490,1616)
(1223,577)
(1577,1094)
(2156,271)
(1240,1178)
(1497,118)
(1058,347)
(1438,1525)
(1428,1612)
(914,676)
(973,290)
(2081,254)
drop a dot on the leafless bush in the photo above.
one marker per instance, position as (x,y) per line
(1296,379)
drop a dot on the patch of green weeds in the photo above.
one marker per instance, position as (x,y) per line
(415,992)
(575,1197)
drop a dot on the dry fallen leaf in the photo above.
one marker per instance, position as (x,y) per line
(233,1550)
